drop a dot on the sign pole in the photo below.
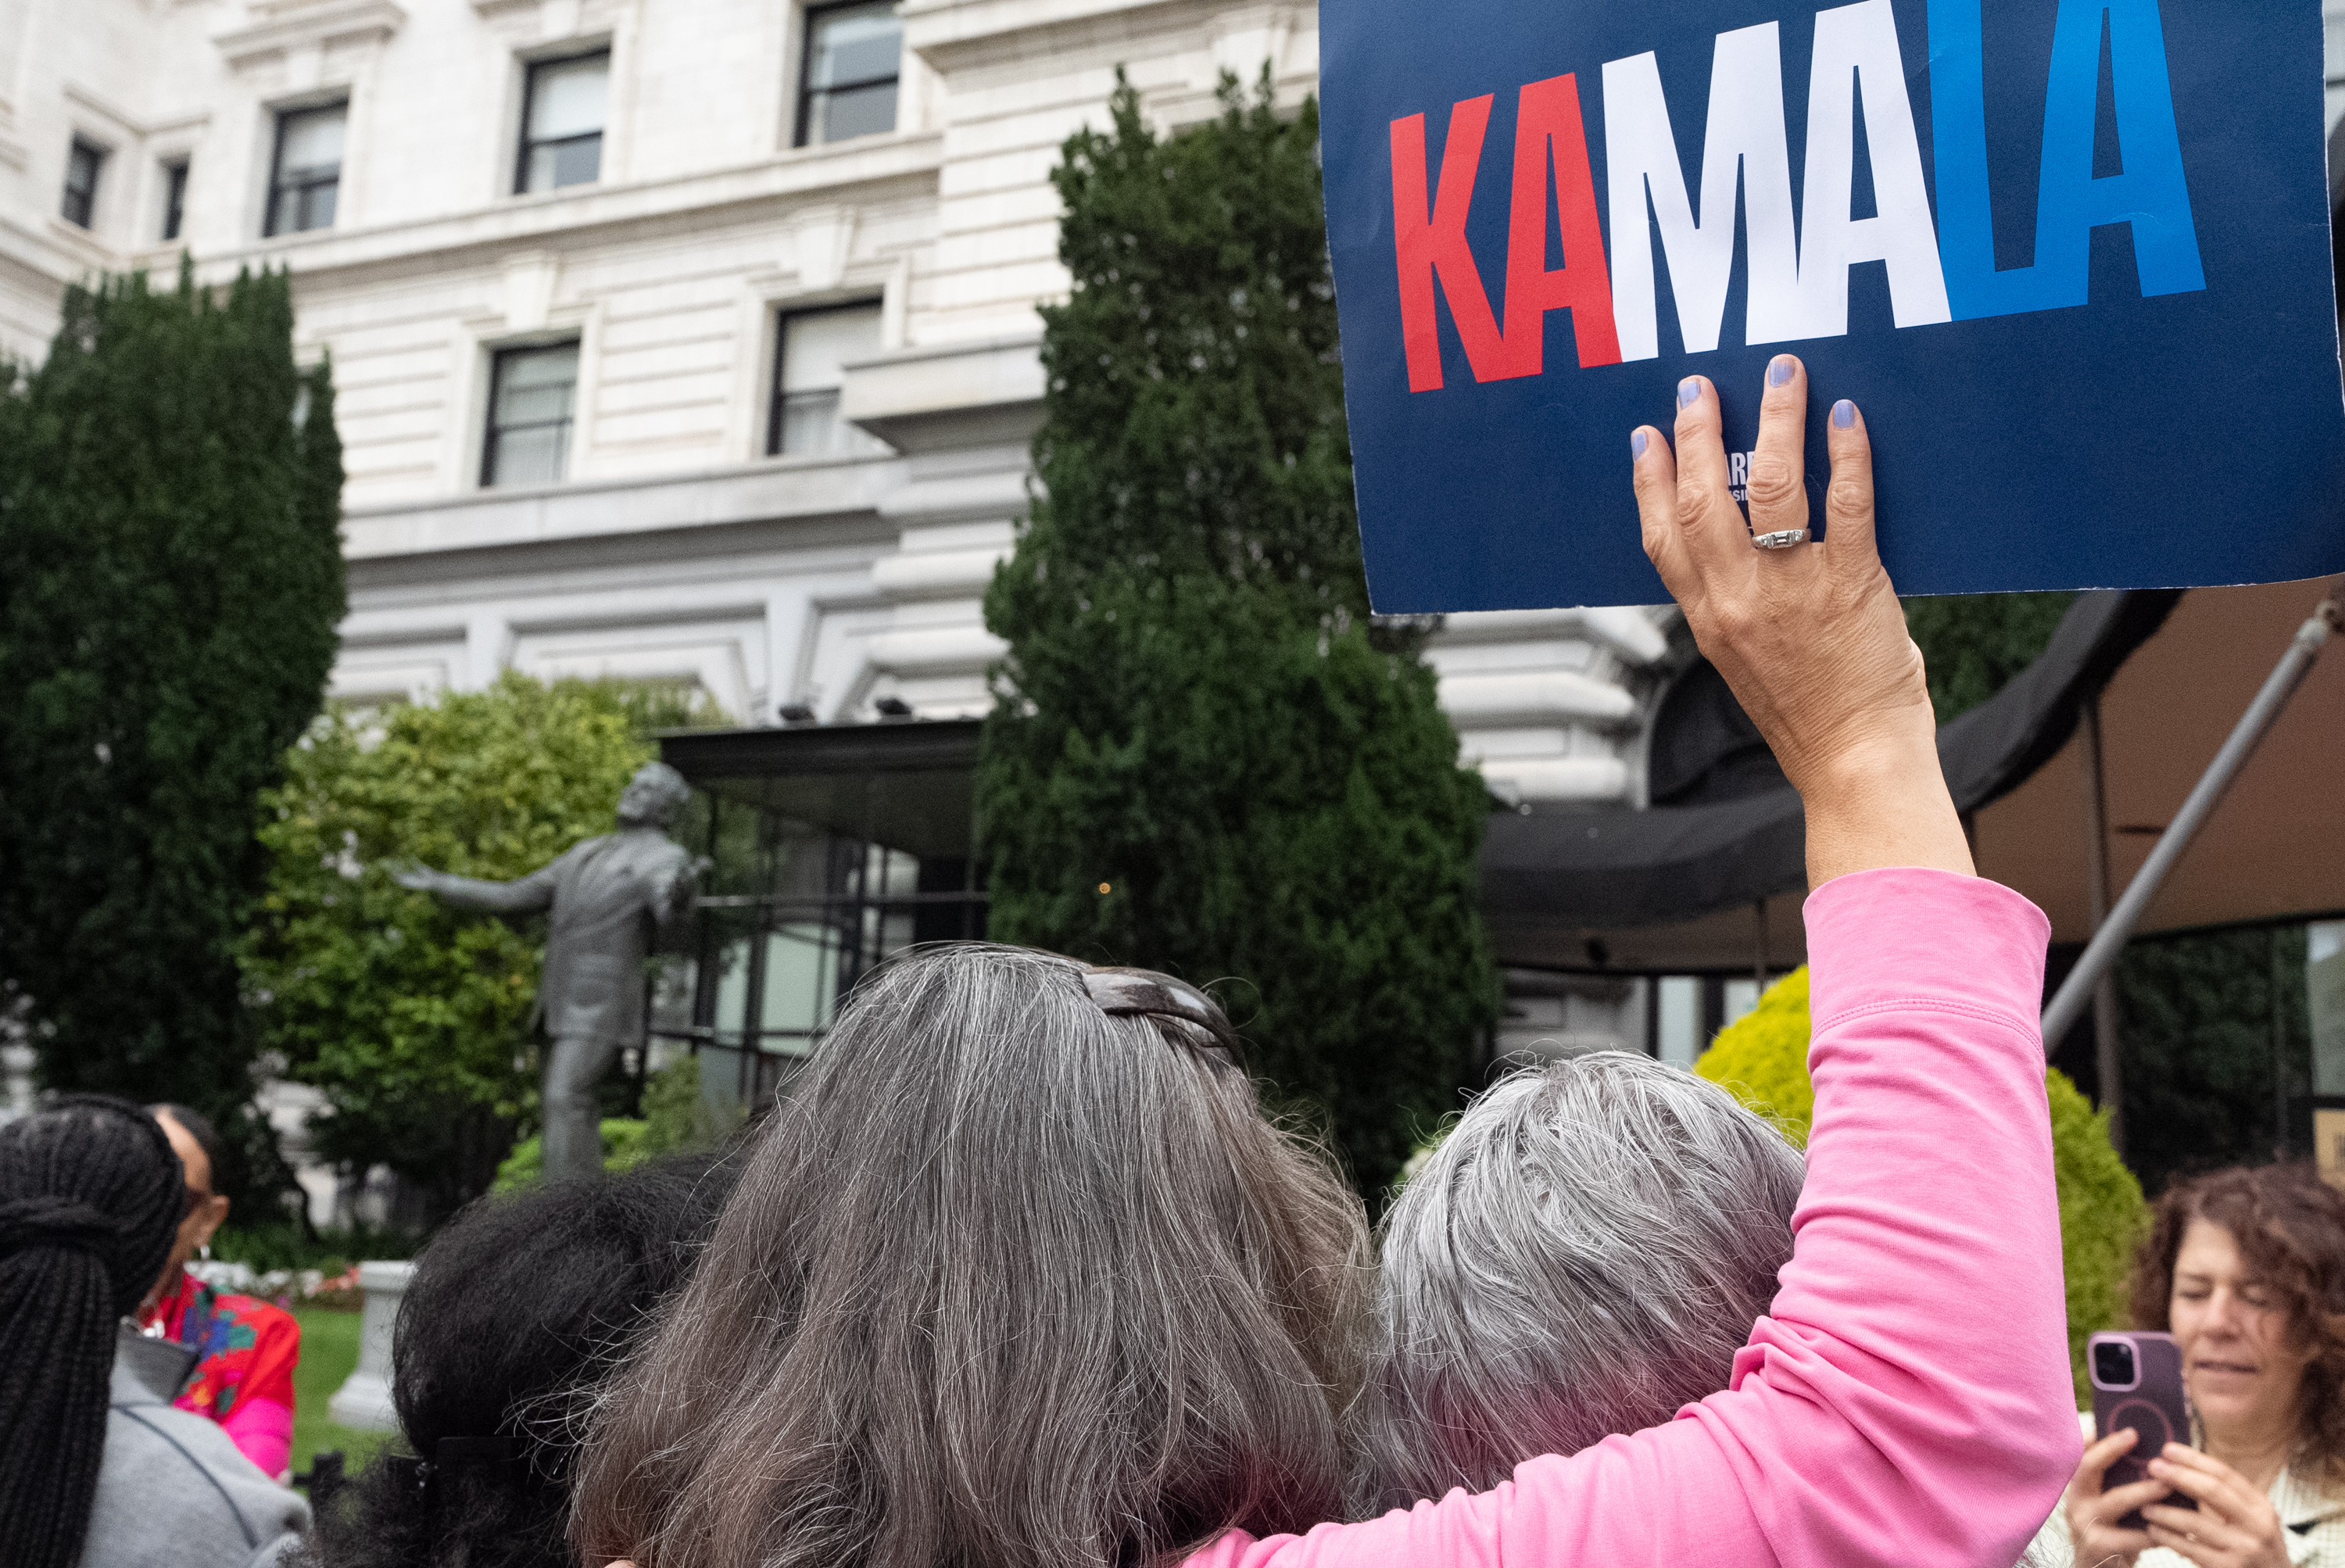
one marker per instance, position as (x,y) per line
(2101,953)
(2109,1069)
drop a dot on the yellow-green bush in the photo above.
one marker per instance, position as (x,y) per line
(1763,1060)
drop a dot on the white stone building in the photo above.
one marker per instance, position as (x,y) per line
(684,340)
(691,340)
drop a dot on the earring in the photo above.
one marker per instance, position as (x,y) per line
(205,1251)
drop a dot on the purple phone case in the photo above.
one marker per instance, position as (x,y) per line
(2157,1406)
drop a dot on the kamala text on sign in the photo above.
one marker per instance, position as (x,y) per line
(2048,303)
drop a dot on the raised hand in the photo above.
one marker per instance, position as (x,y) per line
(1811,638)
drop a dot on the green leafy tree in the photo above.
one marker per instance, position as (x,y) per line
(1763,1060)
(414,1018)
(170,583)
(1974,643)
(2208,1020)
(1204,757)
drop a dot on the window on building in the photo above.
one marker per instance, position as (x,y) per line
(175,197)
(532,395)
(1684,1012)
(831,852)
(306,171)
(853,55)
(1677,1008)
(808,370)
(562,123)
(83,162)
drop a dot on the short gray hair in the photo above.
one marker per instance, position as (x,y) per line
(1583,1254)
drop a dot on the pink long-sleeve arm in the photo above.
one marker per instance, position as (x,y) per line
(1908,1401)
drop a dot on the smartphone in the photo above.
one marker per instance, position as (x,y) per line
(2137,1383)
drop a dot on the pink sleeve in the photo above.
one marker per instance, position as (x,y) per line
(262,1430)
(1908,1401)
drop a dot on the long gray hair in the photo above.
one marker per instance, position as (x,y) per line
(1007,1282)
(1583,1254)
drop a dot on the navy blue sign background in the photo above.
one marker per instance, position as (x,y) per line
(2187,438)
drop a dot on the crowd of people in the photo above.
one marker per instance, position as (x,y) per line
(1019,1275)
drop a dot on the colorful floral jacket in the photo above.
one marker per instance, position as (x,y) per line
(245,1351)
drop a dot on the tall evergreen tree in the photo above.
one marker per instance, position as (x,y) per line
(1203,758)
(1975,643)
(170,582)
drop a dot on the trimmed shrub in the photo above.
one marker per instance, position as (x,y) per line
(1762,1061)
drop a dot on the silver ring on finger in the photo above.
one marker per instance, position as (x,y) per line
(1782,539)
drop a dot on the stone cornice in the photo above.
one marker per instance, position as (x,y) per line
(948,395)
(107,108)
(954,35)
(843,172)
(843,493)
(299,23)
(53,250)
(103,108)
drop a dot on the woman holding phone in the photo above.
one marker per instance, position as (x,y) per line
(1021,1278)
(2246,1268)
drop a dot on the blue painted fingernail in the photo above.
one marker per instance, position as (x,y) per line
(1688,391)
(1636,444)
(1843,414)
(1778,369)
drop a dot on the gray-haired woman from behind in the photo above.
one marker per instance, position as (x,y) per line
(1022,1278)
(1583,1254)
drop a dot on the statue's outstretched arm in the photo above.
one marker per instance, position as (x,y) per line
(525,895)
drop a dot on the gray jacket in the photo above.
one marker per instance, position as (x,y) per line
(172,1490)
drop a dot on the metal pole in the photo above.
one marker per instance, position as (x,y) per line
(2279,1058)
(2107,941)
(2107,1066)
(1758,959)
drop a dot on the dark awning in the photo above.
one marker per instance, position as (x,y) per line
(905,784)
(1578,872)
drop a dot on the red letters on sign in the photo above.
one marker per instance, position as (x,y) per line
(1430,237)
(1429,240)
(1549,119)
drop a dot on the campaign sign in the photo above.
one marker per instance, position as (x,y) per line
(2070,257)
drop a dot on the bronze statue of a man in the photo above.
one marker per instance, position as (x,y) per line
(612,898)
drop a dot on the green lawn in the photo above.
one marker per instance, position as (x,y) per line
(330,1353)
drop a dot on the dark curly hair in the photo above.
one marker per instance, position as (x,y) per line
(517,1308)
(2290,1226)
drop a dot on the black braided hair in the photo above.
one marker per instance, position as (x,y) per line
(518,1309)
(90,1198)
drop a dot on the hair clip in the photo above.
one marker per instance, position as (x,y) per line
(1145,993)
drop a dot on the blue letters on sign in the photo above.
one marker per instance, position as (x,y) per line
(2071,255)
(2150,193)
